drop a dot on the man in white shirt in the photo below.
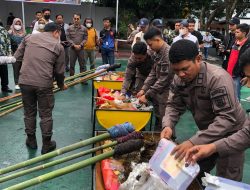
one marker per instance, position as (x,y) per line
(46,15)
(185,34)
(207,39)
(139,37)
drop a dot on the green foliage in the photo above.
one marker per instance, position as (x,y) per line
(125,17)
(205,9)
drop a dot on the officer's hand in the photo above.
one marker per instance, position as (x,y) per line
(143,99)
(77,47)
(181,150)
(167,133)
(65,87)
(140,93)
(199,152)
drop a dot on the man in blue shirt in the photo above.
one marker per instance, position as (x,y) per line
(108,41)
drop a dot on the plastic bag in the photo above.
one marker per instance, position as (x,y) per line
(104,95)
(7,60)
(110,179)
(137,177)
(103,90)
(142,178)
(154,182)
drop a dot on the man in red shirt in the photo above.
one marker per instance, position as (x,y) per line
(241,44)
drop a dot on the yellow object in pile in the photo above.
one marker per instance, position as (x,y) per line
(110,104)
(113,76)
(109,148)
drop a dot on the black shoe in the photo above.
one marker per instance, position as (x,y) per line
(7,90)
(31,141)
(66,69)
(48,145)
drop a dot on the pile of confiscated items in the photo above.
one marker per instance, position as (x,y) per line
(137,170)
(110,99)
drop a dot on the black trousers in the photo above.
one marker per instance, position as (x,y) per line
(4,76)
(38,98)
(16,70)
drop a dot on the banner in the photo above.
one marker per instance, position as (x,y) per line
(76,2)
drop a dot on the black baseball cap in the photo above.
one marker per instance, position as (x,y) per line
(234,21)
(143,22)
(157,23)
(184,23)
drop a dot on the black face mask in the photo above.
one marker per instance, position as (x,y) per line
(47,17)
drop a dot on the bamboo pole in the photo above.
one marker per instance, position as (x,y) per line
(10,103)
(79,75)
(20,105)
(55,153)
(56,162)
(66,79)
(10,106)
(11,110)
(10,97)
(60,172)
(83,79)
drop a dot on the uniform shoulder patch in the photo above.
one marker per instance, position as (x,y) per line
(220,99)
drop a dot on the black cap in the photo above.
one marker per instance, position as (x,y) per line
(234,21)
(157,23)
(51,27)
(184,23)
(143,22)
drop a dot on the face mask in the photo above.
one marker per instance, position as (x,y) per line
(183,32)
(17,27)
(41,26)
(88,25)
(47,17)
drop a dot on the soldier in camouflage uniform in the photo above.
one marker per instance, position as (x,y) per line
(171,34)
(5,50)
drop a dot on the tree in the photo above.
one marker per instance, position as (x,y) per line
(206,10)
(209,10)
(149,8)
